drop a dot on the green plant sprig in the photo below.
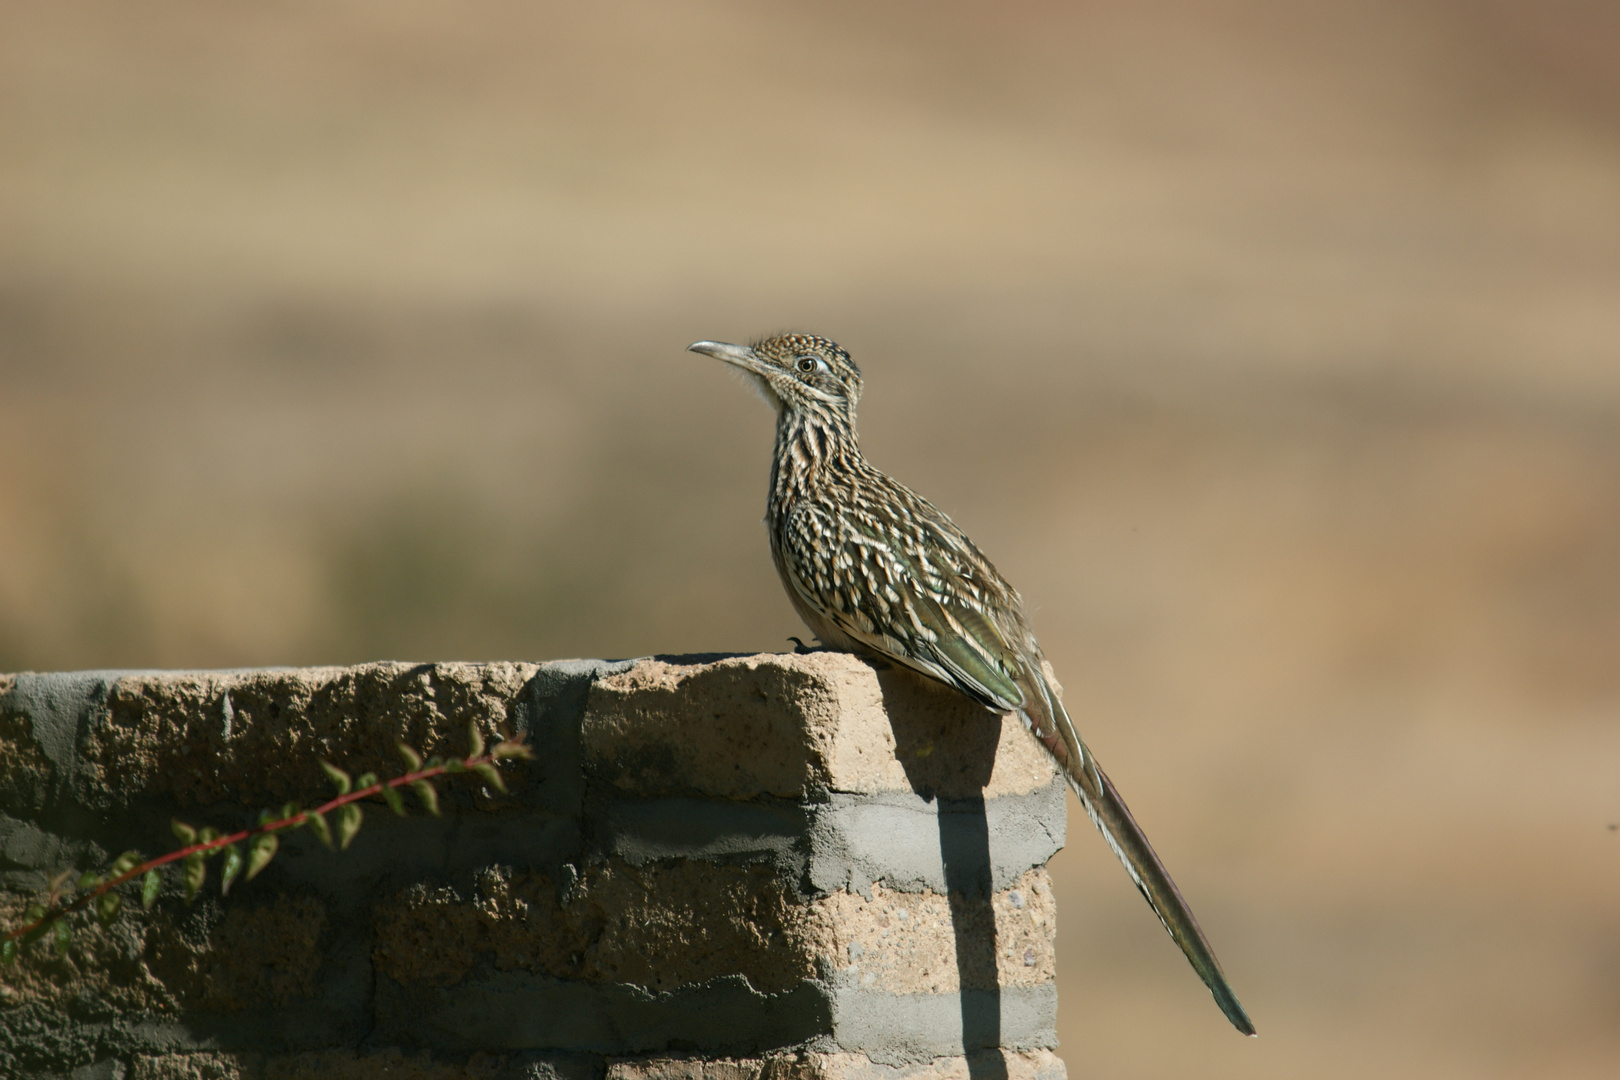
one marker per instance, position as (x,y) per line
(50,917)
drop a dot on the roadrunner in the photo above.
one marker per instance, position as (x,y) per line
(873,568)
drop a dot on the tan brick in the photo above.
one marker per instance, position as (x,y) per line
(203,1066)
(661,926)
(667,925)
(25,772)
(1018,1065)
(388,1064)
(694,1068)
(787,724)
(905,943)
(259,954)
(166,734)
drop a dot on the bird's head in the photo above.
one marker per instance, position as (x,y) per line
(798,373)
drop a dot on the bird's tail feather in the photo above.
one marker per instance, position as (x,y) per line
(1113,819)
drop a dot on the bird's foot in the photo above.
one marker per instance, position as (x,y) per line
(800,648)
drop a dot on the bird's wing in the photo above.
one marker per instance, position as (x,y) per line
(876,589)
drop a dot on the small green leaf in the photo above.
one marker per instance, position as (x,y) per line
(339,778)
(194,874)
(61,936)
(122,865)
(348,823)
(365,780)
(108,904)
(475,740)
(150,887)
(183,832)
(288,812)
(260,852)
(429,797)
(232,867)
(511,749)
(413,760)
(35,913)
(491,775)
(89,879)
(8,951)
(208,836)
(317,825)
(391,796)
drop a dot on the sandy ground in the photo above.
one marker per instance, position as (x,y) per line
(1273,350)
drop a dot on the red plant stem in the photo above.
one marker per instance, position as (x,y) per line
(83,900)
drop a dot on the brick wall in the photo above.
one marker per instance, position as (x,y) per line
(715,868)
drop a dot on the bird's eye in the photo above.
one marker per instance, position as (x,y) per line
(807,363)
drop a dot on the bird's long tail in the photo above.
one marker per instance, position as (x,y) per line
(1113,819)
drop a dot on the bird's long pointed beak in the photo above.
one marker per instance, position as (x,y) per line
(740,355)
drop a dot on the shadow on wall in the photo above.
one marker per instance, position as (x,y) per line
(953,773)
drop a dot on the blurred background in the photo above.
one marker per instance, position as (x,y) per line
(1272,349)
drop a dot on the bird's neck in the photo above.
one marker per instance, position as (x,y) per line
(810,450)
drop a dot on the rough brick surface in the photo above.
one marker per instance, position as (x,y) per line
(792,725)
(255,737)
(772,864)
(393,1064)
